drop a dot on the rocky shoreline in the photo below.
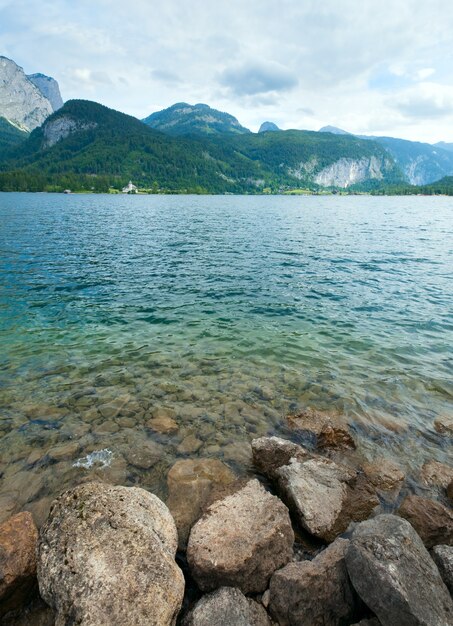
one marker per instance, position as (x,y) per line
(318,537)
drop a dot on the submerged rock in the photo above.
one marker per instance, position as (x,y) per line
(241,540)
(144,454)
(324,430)
(270,453)
(432,520)
(109,551)
(444,425)
(313,592)
(190,486)
(437,474)
(325,496)
(384,474)
(443,558)
(227,606)
(18,540)
(394,575)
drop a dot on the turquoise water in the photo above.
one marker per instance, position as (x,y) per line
(228,312)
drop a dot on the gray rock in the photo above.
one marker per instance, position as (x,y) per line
(394,575)
(270,453)
(373,621)
(109,551)
(432,520)
(241,540)
(325,496)
(56,130)
(443,558)
(227,606)
(313,592)
(21,102)
(49,88)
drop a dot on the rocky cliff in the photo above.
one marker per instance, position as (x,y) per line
(49,88)
(347,172)
(21,100)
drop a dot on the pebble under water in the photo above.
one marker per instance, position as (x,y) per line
(223,313)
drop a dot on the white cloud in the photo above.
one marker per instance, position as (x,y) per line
(303,64)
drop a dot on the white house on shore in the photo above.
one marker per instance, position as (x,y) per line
(130,188)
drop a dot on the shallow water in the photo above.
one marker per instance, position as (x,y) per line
(229,312)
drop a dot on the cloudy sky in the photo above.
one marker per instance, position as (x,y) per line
(371,66)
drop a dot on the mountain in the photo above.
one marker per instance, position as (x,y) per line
(421,163)
(194,119)
(10,135)
(334,130)
(444,145)
(268,126)
(85,145)
(21,100)
(49,88)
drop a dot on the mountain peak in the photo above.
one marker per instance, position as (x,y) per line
(334,130)
(268,126)
(197,119)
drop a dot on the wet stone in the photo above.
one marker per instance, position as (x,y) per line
(444,425)
(432,520)
(163,425)
(324,430)
(106,427)
(384,474)
(18,539)
(189,445)
(144,454)
(436,474)
(67,450)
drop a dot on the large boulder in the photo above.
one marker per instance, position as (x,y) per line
(18,540)
(327,431)
(395,576)
(325,496)
(241,540)
(313,592)
(227,605)
(270,453)
(432,520)
(191,483)
(106,556)
(443,558)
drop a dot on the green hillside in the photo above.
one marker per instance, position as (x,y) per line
(86,146)
(194,119)
(10,136)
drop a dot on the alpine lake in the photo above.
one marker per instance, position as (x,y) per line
(218,316)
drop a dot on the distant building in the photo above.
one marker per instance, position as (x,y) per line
(130,188)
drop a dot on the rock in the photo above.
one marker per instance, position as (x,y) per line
(444,425)
(35,613)
(227,606)
(67,450)
(143,454)
(313,592)
(373,621)
(190,485)
(325,496)
(21,101)
(431,519)
(189,445)
(437,474)
(394,575)
(443,558)
(450,491)
(49,88)
(110,551)
(163,425)
(270,453)
(18,539)
(384,474)
(106,427)
(324,430)
(241,540)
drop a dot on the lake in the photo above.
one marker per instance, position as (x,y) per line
(224,314)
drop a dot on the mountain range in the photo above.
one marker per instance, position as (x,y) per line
(185,147)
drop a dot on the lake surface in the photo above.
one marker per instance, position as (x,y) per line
(224,313)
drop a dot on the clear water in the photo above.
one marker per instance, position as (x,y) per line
(229,312)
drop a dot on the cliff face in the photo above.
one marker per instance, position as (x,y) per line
(21,100)
(49,88)
(60,128)
(347,172)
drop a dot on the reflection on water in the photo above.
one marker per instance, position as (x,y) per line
(221,314)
